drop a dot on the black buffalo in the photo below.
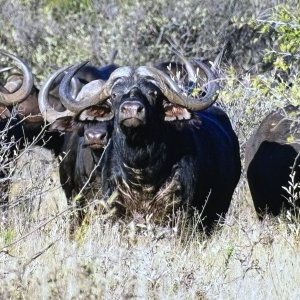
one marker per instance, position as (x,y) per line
(83,146)
(22,123)
(272,156)
(167,149)
(87,132)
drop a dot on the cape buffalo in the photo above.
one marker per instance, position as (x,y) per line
(272,155)
(87,132)
(167,149)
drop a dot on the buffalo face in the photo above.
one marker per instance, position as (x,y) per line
(98,125)
(94,125)
(136,106)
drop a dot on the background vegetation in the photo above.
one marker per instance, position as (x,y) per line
(245,258)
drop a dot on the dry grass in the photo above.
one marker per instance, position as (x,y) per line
(243,259)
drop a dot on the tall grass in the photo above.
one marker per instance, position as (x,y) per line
(124,259)
(112,260)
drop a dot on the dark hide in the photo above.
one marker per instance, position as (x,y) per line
(271,156)
(83,146)
(78,162)
(19,134)
(89,73)
(27,122)
(161,165)
(22,124)
(86,136)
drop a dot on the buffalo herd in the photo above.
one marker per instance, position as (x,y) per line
(151,136)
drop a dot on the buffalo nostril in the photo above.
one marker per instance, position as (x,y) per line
(123,108)
(88,135)
(140,108)
(101,136)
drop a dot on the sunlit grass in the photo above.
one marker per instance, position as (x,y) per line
(108,259)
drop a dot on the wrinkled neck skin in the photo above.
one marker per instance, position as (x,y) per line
(143,154)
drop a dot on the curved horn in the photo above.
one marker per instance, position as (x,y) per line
(171,90)
(5,69)
(192,74)
(92,93)
(87,97)
(48,112)
(27,83)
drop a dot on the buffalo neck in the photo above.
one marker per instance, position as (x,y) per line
(143,156)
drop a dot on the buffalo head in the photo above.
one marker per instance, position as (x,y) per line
(93,123)
(142,97)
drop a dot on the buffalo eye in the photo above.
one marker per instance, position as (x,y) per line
(113,95)
(63,124)
(152,93)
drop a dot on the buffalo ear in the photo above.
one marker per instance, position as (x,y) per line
(63,124)
(175,112)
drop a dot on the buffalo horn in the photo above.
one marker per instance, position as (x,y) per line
(48,112)
(173,93)
(27,83)
(92,93)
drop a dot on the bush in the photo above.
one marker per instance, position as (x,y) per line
(50,34)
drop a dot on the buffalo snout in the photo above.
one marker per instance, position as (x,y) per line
(132,114)
(96,138)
